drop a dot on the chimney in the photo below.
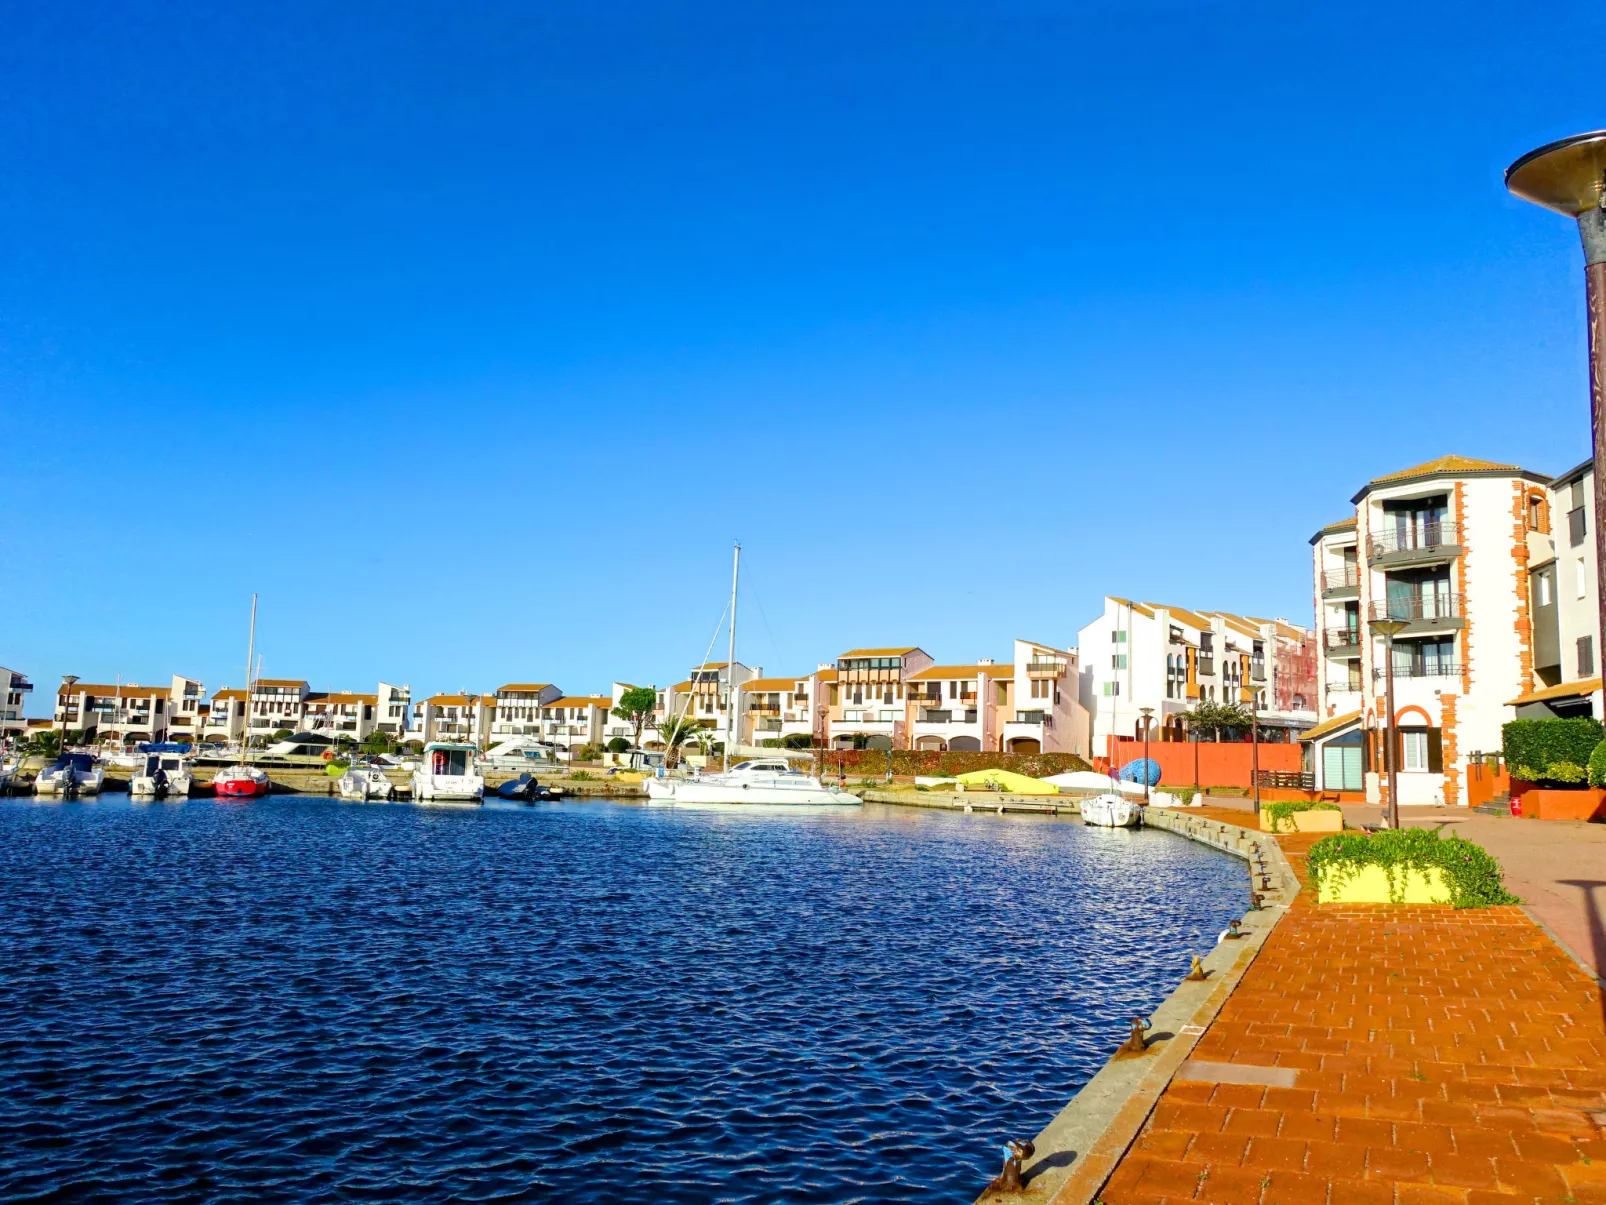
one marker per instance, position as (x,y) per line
(985,661)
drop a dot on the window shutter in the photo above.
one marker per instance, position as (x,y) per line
(1435,751)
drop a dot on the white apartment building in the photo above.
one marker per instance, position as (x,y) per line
(1565,601)
(868,700)
(126,712)
(277,704)
(518,709)
(1138,655)
(570,721)
(464,716)
(773,709)
(1030,704)
(705,696)
(15,685)
(225,717)
(1448,548)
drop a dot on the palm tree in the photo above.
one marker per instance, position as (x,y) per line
(675,731)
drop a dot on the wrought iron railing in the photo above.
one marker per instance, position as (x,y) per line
(1422,669)
(1418,607)
(1417,537)
(1343,637)
(1347,578)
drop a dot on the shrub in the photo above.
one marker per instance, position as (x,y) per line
(582,776)
(1565,772)
(1597,766)
(618,745)
(1285,809)
(1473,877)
(585,753)
(1184,795)
(1540,744)
(797,740)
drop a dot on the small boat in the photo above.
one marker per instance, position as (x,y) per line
(525,789)
(448,773)
(70,775)
(366,782)
(162,774)
(1110,810)
(240,782)
(764,780)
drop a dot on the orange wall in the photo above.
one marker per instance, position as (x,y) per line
(1220,764)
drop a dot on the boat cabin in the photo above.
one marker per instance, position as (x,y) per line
(167,763)
(445,760)
(766,765)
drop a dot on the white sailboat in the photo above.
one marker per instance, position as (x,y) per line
(769,780)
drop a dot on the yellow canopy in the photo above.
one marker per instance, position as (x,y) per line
(1008,780)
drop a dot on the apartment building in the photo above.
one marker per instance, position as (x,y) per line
(773,709)
(518,709)
(12,702)
(1457,550)
(126,712)
(464,716)
(570,721)
(225,717)
(1030,704)
(706,695)
(276,704)
(867,704)
(393,704)
(1167,659)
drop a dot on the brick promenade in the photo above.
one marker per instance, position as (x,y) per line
(1436,1057)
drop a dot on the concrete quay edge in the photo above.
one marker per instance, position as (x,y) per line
(1078,1150)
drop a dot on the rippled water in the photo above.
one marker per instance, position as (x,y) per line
(302,1000)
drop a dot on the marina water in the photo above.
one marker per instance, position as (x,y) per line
(303,1000)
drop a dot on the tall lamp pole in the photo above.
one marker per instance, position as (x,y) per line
(1147,713)
(1254,746)
(1389,629)
(1570,177)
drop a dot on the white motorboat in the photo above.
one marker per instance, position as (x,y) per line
(448,773)
(70,774)
(160,775)
(766,780)
(1110,810)
(365,782)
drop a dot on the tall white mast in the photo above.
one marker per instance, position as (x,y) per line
(250,656)
(730,664)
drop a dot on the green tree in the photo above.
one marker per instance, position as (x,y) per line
(1217,718)
(283,734)
(618,745)
(46,743)
(376,742)
(636,707)
(675,731)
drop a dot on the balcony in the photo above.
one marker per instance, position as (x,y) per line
(1033,717)
(935,716)
(1207,665)
(1417,544)
(768,724)
(1042,667)
(1422,669)
(1422,612)
(1344,686)
(1342,641)
(1341,583)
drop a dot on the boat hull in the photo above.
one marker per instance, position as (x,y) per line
(240,788)
(1112,811)
(690,791)
(459,788)
(61,784)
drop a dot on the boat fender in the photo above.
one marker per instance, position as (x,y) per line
(328,755)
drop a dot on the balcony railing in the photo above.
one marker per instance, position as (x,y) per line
(769,725)
(1421,669)
(929,716)
(1418,537)
(1032,717)
(1345,686)
(1257,671)
(1207,666)
(1044,668)
(1341,638)
(1347,578)
(1423,607)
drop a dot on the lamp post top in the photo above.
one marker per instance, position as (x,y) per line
(1568,176)
(1390,627)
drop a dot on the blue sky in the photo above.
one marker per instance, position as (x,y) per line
(470,335)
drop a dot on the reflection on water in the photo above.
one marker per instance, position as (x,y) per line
(306,1000)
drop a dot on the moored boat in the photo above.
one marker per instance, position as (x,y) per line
(448,773)
(366,782)
(764,780)
(524,789)
(163,772)
(240,782)
(70,774)
(1110,810)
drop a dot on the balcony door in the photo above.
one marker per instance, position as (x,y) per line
(1420,524)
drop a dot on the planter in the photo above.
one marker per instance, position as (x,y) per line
(1321,820)
(1370,885)
(1587,803)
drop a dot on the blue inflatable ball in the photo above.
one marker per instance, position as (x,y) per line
(1142,770)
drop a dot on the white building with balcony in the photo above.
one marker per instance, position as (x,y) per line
(225,717)
(570,721)
(774,709)
(14,687)
(126,712)
(1452,551)
(518,709)
(705,697)
(868,701)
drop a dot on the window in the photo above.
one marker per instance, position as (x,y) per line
(1586,656)
(1582,578)
(1117,660)
(1117,637)
(1543,585)
(1536,512)
(1413,749)
(1111,689)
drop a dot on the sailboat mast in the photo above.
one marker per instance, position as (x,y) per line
(250,656)
(730,664)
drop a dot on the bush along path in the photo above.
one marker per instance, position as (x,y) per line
(1388,1055)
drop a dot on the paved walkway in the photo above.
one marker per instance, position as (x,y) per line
(1395,1056)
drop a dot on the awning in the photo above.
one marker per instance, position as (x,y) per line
(1330,727)
(1567,690)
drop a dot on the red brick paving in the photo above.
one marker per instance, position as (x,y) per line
(1443,1058)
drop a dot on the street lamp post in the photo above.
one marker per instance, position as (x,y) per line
(1254,747)
(1147,713)
(1570,177)
(1389,629)
(68,681)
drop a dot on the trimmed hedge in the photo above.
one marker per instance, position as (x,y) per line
(1597,766)
(1473,877)
(1540,744)
(927,761)
(1285,809)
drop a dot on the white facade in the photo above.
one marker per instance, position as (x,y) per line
(518,709)
(14,687)
(1565,602)
(126,711)
(1447,548)
(868,699)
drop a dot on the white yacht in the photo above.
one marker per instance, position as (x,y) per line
(366,782)
(765,780)
(521,753)
(448,773)
(70,774)
(161,774)
(1110,810)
